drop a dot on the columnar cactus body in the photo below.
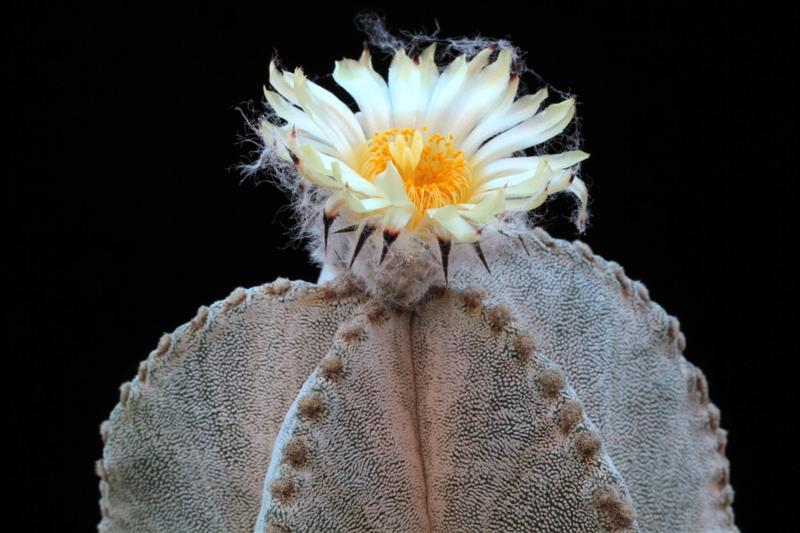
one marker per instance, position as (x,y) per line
(550,395)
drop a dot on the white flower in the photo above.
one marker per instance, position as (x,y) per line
(429,151)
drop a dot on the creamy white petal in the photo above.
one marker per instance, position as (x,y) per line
(300,139)
(447,86)
(537,169)
(578,188)
(522,184)
(363,122)
(449,218)
(404,89)
(535,130)
(507,166)
(453,80)
(346,137)
(519,111)
(368,89)
(365,205)
(396,218)
(311,167)
(390,184)
(278,80)
(268,134)
(526,204)
(565,159)
(502,105)
(291,141)
(330,166)
(484,93)
(336,106)
(428,76)
(349,177)
(559,181)
(513,165)
(481,59)
(319,179)
(291,114)
(488,207)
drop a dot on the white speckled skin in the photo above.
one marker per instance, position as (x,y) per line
(623,355)
(399,448)
(364,471)
(438,417)
(512,468)
(187,447)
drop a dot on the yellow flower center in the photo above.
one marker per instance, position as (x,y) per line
(433,173)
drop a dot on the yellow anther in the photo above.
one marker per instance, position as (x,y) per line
(433,173)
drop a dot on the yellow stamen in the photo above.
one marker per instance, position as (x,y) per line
(433,173)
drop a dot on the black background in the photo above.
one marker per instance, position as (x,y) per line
(123,211)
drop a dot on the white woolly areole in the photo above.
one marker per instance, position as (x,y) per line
(408,271)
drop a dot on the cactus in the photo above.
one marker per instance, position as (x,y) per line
(481,376)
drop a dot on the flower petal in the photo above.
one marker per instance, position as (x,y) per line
(339,127)
(404,88)
(345,176)
(339,108)
(449,86)
(368,89)
(279,81)
(390,184)
(396,218)
(559,181)
(578,188)
(535,130)
(364,206)
(497,122)
(522,184)
(449,218)
(482,94)
(513,165)
(291,114)
(270,138)
(526,204)
(565,159)
(491,205)
(428,76)
(507,166)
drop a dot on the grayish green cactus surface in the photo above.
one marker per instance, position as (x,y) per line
(548,395)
